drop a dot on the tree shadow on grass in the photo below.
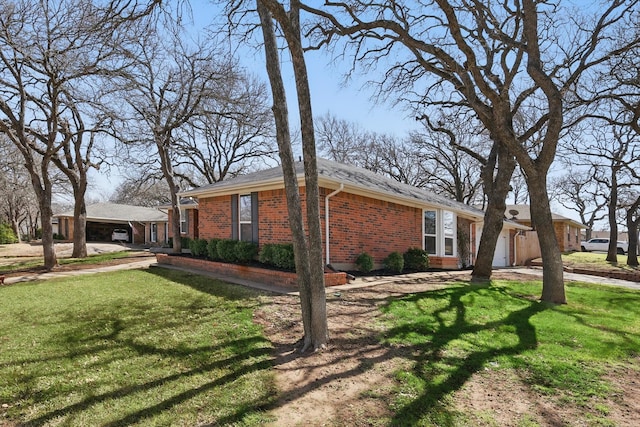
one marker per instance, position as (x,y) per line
(443,370)
(170,373)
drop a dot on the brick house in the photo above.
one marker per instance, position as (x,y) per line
(568,232)
(360,212)
(188,217)
(145,226)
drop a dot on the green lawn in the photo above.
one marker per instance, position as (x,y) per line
(153,347)
(595,260)
(31,262)
(161,347)
(562,351)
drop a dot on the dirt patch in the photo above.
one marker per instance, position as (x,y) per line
(353,382)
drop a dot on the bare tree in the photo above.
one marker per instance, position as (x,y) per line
(346,142)
(234,131)
(612,152)
(452,152)
(164,91)
(47,51)
(18,200)
(499,59)
(308,253)
(613,94)
(142,189)
(584,193)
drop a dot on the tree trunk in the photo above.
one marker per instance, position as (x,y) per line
(632,229)
(16,228)
(162,144)
(553,273)
(79,229)
(42,187)
(612,252)
(308,254)
(463,240)
(317,297)
(496,188)
(79,218)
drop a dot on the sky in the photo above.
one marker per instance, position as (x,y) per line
(352,101)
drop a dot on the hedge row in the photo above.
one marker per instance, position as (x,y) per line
(238,251)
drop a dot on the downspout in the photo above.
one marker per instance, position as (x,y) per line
(326,219)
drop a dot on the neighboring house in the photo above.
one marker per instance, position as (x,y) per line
(568,232)
(360,212)
(188,217)
(145,226)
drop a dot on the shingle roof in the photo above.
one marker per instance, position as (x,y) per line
(353,178)
(117,212)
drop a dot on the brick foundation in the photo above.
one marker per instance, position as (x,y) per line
(263,275)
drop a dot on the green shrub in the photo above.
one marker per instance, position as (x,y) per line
(57,236)
(198,247)
(278,255)
(394,262)
(283,256)
(364,262)
(227,250)
(416,259)
(212,249)
(246,251)
(266,254)
(7,235)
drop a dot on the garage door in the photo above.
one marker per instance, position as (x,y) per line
(501,255)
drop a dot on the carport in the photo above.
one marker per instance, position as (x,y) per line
(144,225)
(101,231)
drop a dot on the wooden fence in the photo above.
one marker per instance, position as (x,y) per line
(526,247)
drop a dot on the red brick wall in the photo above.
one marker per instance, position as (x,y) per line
(273,217)
(357,224)
(362,224)
(192,223)
(214,217)
(274,277)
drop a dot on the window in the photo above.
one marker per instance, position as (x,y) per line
(154,232)
(184,221)
(449,226)
(245,218)
(430,236)
(440,232)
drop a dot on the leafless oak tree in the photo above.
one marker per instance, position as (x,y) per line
(500,59)
(583,193)
(308,252)
(164,91)
(48,50)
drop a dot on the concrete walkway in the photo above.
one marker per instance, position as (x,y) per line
(361,282)
(537,271)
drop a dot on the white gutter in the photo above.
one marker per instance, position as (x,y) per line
(326,218)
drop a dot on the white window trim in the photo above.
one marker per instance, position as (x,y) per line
(153,237)
(240,221)
(440,236)
(183,222)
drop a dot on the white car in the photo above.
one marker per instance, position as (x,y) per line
(120,235)
(602,245)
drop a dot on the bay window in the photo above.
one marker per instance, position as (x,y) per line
(440,232)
